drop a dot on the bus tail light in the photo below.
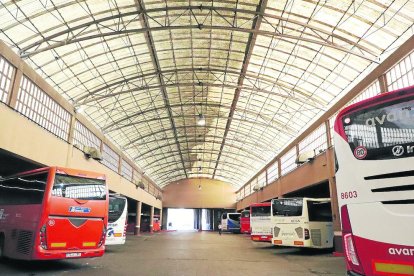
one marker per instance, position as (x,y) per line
(103,236)
(350,249)
(301,243)
(125,227)
(42,234)
(307,236)
(348,242)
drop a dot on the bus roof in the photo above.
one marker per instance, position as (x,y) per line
(70,171)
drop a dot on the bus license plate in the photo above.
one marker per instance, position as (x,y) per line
(264,237)
(73,255)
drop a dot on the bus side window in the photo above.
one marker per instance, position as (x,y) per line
(23,190)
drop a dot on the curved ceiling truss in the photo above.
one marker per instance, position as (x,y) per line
(258,71)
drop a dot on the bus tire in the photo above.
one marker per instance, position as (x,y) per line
(1,246)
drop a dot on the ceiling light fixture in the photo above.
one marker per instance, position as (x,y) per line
(201,120)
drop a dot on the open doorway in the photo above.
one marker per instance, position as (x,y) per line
(180,219)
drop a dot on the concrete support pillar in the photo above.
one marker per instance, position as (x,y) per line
(15,88)
(137,229)
(161,219)
(152,220)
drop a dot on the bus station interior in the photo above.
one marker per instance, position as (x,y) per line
(194,109)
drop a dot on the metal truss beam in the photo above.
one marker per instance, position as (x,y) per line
(142,155)
(201,152)
(235,166)
(81,28)
(248,53)
(131,143)
(281,128)
(154,58)
(119,123)
(307,99)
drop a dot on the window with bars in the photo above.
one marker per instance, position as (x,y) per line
(287,161)
(35,104)
(331,126)
(82,136)
(126,170)
(6,74)
(261,179)
(314,142)
(272,172)
(369,92)
(402,74)
(110,158)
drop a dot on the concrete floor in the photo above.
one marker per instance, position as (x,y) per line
(189,253)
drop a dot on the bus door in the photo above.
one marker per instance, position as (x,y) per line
(78,208)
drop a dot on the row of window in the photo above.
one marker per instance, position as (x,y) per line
(38,106)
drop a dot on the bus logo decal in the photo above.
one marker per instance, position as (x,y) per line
(78,209)
(360,152)
(398,150)
(401,251)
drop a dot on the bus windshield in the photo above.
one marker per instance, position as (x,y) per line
(319,211)
(288,207)
(235,217)
(68,186)
(384,131)
(260,211)
(116,208)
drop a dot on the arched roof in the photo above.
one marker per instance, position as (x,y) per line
(259,71)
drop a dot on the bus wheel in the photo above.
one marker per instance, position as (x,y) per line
(1,246)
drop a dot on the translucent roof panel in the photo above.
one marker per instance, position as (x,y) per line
(257,71)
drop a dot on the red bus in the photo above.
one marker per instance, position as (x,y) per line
(245,222)
(53,213)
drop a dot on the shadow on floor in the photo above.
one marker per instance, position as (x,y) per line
(34,267)
(292,251)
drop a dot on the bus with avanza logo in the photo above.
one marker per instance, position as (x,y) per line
(117,220)
(260,222)
(374,142)
(302,222)
(245,222)
(53,213)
